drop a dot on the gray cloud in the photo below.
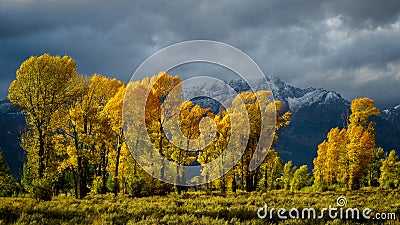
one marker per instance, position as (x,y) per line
(350,47)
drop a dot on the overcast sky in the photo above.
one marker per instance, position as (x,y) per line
(351,47)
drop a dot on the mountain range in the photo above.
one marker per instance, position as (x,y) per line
(314,112)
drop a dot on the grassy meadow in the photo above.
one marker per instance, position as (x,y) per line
(77,141)
(193,208)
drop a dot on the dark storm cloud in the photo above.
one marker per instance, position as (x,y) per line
(351,47)
(366,13)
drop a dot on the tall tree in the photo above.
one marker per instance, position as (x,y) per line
(113,114)
(42,87)
(159,114)
(361,140)
(87,132)
(256,105)
(329,165)
(189,124)
(319,165)
(347,154)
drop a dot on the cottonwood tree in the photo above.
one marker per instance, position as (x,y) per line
(87,132)
(254,112)
(347,155)
(361,140)
(271,166)
(115,135)
(43,86)
(330,166)
(159,114)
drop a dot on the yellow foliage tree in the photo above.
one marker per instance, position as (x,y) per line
(43,86)
(347,155)
(88,133)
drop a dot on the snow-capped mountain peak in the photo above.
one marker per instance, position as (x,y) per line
(294,98)
(392,114)
(316,96)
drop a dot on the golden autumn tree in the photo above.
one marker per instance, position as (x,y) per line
(87,132)
(221,140)
(188,129)
(251,100)
(145,111)
(131,173)
(328,166)
(249,179)
(159,114)
(160,109)
(133,109)
(99,137)
(219,131)
(319,164)
(346,156)
(240,168)
(42,88)
(127,173)
(361,140)
(254,115)
(113,115)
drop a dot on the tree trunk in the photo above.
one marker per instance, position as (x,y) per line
(242,174)
(222,185)
(255,179)
(75,180)
(162,155)
(234,186)
(41,153)
(116,183)
(249,182)
(80,182)
(82,185)
(266,178)
(103,172)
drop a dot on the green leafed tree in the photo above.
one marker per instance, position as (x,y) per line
(301,178)
(390,171)
(7,183)
(271,169)
(287,174)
